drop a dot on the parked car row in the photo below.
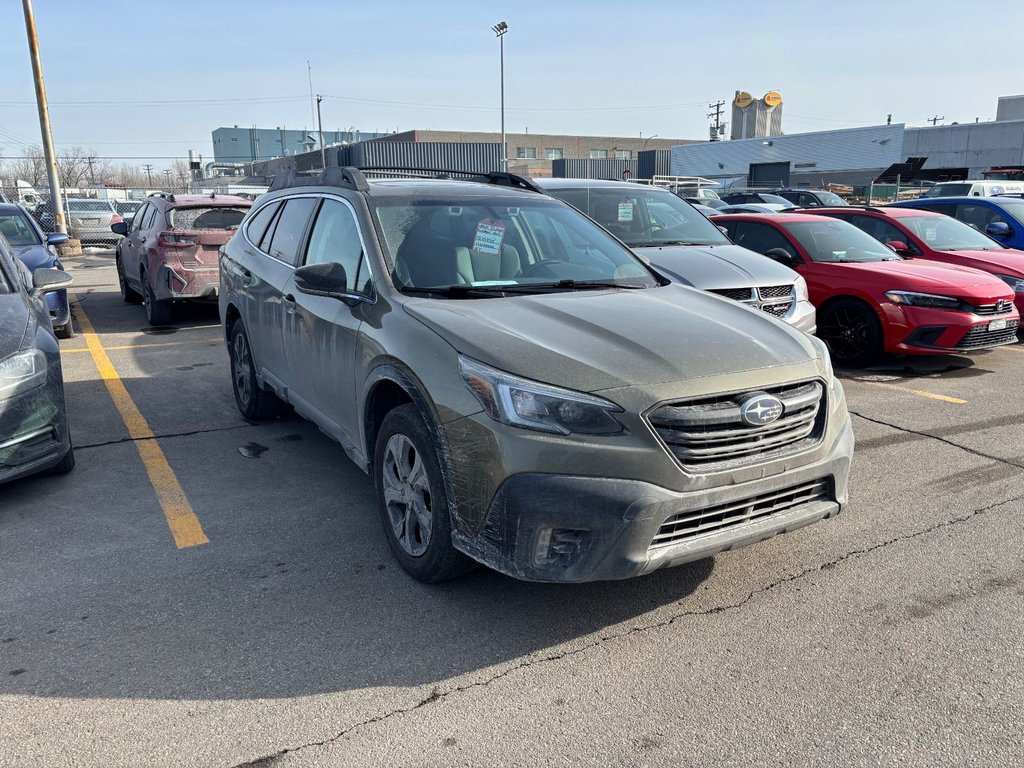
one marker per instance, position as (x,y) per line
(88,220)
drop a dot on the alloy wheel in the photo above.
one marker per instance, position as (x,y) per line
(241,369)
(407,495)
(848,333)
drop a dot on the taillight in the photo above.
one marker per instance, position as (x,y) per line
(116,219)
(171,240)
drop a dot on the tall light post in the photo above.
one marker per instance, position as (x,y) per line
(648,139)
(500,29)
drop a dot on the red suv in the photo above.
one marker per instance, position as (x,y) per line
(914,233)
(870,300)
(169,251)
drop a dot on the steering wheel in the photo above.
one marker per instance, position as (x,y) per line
(536,270)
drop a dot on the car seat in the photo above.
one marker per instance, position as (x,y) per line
(426,259)
(9,230)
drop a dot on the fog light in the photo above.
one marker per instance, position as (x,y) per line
(559,546)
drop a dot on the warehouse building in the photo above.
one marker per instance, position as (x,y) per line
(248,145)
(857,156)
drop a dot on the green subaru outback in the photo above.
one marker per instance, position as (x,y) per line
(523,391)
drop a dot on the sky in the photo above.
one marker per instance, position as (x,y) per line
(146,82)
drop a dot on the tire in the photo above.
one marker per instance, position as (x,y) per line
(158,312)
(254,402)
(852,332)
(412,499)
(128,294)
(65,465)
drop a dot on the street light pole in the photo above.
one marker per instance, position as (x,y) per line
(320,129)
(500,29)
(648,139)
(44,121)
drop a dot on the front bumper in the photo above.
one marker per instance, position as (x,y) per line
(926,331)
(804,317)
(60,309)
(566,528)
(33,431)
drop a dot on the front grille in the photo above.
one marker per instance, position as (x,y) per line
(1001,307)
(775,291)
(980,336)
(708,435)
(736,294)
(779,310)
(688,525)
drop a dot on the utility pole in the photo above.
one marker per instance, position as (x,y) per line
(56,198)
(500,29)
(716,113)
(148,168)
(934,120)
(167,174)
(309,72)
(320,129)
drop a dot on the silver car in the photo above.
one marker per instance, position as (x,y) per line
(89,221)
(522,389)
(682,243)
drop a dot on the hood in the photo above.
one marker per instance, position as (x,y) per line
(1007,261)
(715,267)
(596,340)
(35,256)
(15,319)
(933,277)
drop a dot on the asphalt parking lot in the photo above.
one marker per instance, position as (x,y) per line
(206,591)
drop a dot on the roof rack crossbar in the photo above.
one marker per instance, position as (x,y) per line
(354,177)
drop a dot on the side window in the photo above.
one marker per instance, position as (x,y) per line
(151,216)
(291,226)
(137,220)
(257,225)
(762,238)
(334,239)
(979,216)
(808,200)
(883,231)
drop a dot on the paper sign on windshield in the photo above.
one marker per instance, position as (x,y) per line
(930,233)
(625,212)
(489,237)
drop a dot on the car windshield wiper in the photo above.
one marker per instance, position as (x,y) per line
(674,242)
(586,285)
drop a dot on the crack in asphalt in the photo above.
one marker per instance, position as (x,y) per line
(909,431)
(437,694)
(121,440)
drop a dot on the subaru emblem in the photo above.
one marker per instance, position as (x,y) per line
(760,410)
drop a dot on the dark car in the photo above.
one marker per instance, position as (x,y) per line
(522,389)
(1001,218)
(169,252)
(34,432)
(921,234)
(36,251)
(775,202)
(870,300)
(811,198)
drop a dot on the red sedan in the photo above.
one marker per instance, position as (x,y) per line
(918,234)
(870,300)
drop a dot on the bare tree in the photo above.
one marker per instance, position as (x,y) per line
(29,165)
(181,173)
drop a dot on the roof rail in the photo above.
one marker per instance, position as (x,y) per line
(498,178)
(168,196)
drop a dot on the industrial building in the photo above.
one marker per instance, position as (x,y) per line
(248,145)
(857,156)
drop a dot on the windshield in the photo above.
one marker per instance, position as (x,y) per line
(15,227)
(838,242)
(948,190)
(644,217)
(484,242)
(216,217)
(944,233)
(774,199)
(89,205)
(1014,209)
(830,198)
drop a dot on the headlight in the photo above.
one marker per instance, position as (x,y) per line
(22,372)
(908,298)
(541,407)
(801,289)
(826,358)
(1014,282)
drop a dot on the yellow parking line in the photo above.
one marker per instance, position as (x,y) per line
(137,346)
(184,525)
(919,392)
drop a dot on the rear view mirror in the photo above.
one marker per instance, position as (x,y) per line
(724,231)
(56,238)
(328,280)
(48,280)
(780,255)
(998,229)
(121,228)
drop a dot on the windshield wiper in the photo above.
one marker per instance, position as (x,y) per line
(587,285)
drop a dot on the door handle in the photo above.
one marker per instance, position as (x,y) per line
(289,303)
(245,273)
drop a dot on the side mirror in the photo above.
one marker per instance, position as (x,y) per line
(328,280)
(780,255)
(56,238)
(998,229)
(723,230)
(48,280)
(899,246)
(121,228)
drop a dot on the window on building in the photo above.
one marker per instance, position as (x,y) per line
(623,154)
(599,154)
(526,153)
(553,153)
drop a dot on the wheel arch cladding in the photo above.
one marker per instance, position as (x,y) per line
(230,316)
(866,301)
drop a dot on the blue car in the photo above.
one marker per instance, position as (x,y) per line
(36,251)
(1001,218)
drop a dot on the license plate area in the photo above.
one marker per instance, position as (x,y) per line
(998,325)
